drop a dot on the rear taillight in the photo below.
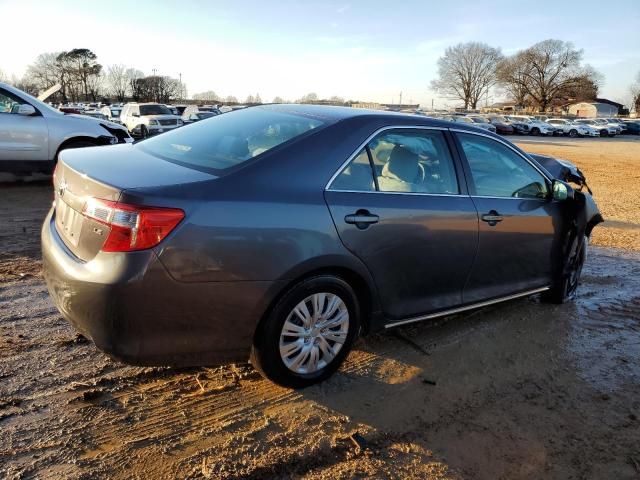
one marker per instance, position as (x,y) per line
(132,227)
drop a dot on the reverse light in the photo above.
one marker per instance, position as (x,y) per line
(132,227)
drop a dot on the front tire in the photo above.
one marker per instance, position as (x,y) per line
(565,287)
(308,334)
(573,133)
(144,133)
(535,131)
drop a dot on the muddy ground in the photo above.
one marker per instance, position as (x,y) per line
(519,390)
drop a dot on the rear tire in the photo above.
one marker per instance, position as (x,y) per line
(274,353)
(573,133)
(535,131)
(564,288)
(144,133)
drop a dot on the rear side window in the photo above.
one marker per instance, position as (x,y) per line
(403,160)
(225,141)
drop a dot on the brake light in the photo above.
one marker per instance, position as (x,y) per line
(132,227)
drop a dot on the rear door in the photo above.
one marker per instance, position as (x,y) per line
(520,227)
(22,138)
(398,205)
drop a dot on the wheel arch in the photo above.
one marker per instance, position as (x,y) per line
(71,140)
(357,277)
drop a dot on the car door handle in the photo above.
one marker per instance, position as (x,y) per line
(492,218)
(361,219)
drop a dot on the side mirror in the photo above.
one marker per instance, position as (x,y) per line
(561,191)
(26,109)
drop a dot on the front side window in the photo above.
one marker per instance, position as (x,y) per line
(9,103)
(402,160)
(498,171)
(225,141)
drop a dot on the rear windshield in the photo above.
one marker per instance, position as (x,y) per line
(154,110)
(225,141)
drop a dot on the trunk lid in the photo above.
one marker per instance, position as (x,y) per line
(105,173)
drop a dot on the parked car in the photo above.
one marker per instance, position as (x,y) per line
(146,119)
(283,232)
(95,114)
(521,127)
(483,123)
(606,122)
(536,127)
(633,127)
(471,121)
(32,134)
(572,129)
(617,122)
(604,129)
(197,116)
(112,112)
(503,126)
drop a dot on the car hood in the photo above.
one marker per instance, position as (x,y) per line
(85,118)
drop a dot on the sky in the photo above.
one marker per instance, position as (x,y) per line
(367,50)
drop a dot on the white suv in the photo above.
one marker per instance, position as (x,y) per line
(146,119)
(32,133)
(568,127)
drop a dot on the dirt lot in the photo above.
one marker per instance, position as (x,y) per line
(519,390)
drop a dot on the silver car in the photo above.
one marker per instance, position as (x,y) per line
(32,133)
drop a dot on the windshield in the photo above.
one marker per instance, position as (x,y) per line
(154,110)
(225,141)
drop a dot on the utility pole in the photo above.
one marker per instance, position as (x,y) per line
(400,98)
(432,104)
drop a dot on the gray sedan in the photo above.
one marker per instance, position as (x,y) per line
(283,232)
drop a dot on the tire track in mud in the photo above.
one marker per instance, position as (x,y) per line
(116,415)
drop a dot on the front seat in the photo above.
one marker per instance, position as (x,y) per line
(402,173)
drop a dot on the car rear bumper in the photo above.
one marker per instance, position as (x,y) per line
(131,308)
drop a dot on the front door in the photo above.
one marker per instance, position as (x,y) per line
(22,138)
(520,226)
(399,207)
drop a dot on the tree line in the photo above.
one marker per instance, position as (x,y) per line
(83,79)
(546,75)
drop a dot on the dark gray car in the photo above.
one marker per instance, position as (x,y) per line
(284,232)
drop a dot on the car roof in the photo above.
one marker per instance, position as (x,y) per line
(334,114)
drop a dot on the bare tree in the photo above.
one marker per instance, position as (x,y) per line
(231,99)
(635,93)
(3,77)
(133,75)
(118,83)
(208,96)
(467,71)
(44,72)
(308,98)
(277,100)
(546,71)
(250,99)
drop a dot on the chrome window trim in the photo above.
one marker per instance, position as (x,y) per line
(499,140)
(457,195)
(455,310)
(366,142)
